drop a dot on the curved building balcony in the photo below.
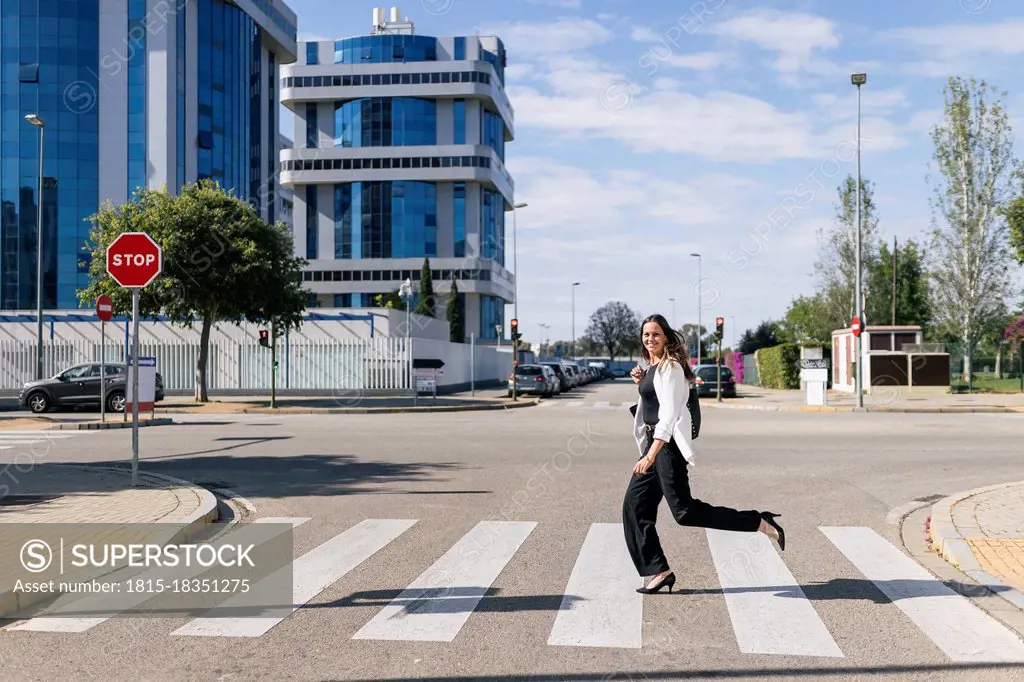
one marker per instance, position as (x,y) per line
(301,84)
(441,163)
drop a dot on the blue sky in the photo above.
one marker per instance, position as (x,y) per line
(646,131)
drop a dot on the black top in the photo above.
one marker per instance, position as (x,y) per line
(649,397)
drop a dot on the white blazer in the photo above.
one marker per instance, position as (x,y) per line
(673,391)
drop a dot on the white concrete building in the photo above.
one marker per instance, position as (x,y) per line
(398,155)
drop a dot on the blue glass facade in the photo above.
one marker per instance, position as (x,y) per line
(492,132)
(459,219)
(312,125)
(182,92)
(385,122)
(384,49)
(229,43)
(496,60)
(135,43)
(492,313)
(50,57)
(460,49)
(492,227)
(312,222)
(312,53)
(459,119)
(385,220)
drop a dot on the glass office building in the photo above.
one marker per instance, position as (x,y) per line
(399,154)
(128,93)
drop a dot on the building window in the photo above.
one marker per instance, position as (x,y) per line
(460,48)
(381,49)
(273,157)
(136,50)
(312,222)
(312,53)
(492,314)
(312,125)
(385,122)
(492,132)
(343,300)
(181,96)
(459,218)
(459,111)
(385,220)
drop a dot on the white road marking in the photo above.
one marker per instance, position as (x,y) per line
(960,629)
(440,601)
(769,611)
(114,603)
(312,573)
(600,606)
(574,403)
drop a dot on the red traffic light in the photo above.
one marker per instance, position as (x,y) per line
(264,337)
(719,321)
(515,323)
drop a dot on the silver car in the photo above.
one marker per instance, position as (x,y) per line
(533,380)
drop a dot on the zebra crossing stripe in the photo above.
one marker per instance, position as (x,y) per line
(312,573)
(600,606)
(440,601)
(960,629)
(574,403)
(769,611)
(119,602)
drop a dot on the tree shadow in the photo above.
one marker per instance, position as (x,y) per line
(854,589)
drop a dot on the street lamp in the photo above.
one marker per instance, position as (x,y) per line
(673,310)
(405,291)
(38,122)
(515,301)
(859,79)
(573,348)
(700,285)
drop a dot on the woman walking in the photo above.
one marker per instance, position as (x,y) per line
(662,431)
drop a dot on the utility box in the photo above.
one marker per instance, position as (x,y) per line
(814,376)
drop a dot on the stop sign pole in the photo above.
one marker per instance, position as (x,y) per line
(104,311)
(134,260)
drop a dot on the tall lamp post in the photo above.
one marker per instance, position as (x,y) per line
(515,304)
(673,312)
(38,122)
(405,291)
(700,285)
(859,79)
(573,348)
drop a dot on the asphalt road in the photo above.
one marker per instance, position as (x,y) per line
(543,589)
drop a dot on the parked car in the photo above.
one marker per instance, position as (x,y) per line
(535,379)
(79,386)
(707,381)
(564,382)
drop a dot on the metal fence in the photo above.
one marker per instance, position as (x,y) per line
(328,364)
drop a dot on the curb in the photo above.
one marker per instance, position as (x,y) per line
(952,546)
(377,410)
(13,602)
(91,426)
(867,408)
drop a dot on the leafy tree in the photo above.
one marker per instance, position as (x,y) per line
(808,319)
(1014,214)
(969,251)
(392,299)
(612,325)
(912,300)
(221,263)
(427,303)
(837,258)
(765,336)
(456,321)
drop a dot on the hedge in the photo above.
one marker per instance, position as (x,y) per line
(779,366)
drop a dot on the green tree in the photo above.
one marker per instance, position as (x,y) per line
(765,336)
(913,305)
(1014,214)
(969,253)
(837,256)
(808,319)
(427,303)
(221,263)
(392,299)
(456,321)
(611,326)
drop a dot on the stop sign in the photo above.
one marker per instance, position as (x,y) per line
(855,326)
(134,259)
(104,308)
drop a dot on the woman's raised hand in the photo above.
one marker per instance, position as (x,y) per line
(637,374)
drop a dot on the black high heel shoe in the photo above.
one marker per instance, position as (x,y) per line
(669,580)
(769,518)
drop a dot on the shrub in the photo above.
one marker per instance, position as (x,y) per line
(779,366)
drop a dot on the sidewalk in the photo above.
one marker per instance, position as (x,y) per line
(884,399)
(34,493)
(342,404)
(981,532)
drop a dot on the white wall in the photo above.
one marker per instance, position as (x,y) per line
(491,364)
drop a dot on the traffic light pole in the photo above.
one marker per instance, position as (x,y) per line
(719,368)
(273,364)
(515,359)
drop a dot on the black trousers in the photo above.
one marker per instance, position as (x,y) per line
(668,479)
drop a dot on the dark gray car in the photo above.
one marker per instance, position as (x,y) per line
(80,386)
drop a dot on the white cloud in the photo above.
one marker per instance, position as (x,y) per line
(955,40)
(567,4)
(530,40)
(702,61)
(793,36)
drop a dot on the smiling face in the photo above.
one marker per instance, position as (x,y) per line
(653,339)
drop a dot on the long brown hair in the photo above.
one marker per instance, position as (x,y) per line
(675,346)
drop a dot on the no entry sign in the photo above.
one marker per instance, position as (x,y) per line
(104,308)
(134,260)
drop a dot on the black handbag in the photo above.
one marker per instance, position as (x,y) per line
(693,405)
